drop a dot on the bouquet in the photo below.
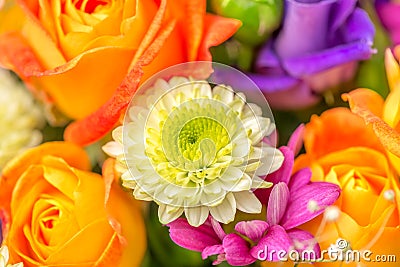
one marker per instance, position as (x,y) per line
(199,133)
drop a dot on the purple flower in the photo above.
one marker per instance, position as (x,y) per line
(317,48)
(287,208)
(389,12)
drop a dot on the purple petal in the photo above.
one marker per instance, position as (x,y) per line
(358,28)
(303,240)
(291,98)
(325,194)
(237,250)
(296,139)
(281,175)
(267,58)
(252,229)
(276,239)
(193,238)
(299,179)
(269,83)
(212,250)
(342,10)
(278,200)
(304,29)
(328,58)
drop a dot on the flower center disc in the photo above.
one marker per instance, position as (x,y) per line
(201,132)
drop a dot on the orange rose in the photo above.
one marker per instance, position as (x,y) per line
(79,52)
(57,213)
(341,149)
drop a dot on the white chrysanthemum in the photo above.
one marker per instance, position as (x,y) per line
(4,257)
(19,118)
(196,150)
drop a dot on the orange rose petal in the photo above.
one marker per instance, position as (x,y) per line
(112,255)
(81,247)
(323,133)
(373,231)
(192,24)
(133,238)
(104,119)
(53,169)
(216,30)
(150,34)
(89,207)
(39,40)
(365,98)
(16,54)
(11,16)
(96,70)
(389,138)
(73,155)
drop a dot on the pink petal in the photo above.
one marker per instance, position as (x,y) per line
(281,175)
(252,229)
(276,240)
(212,250)
(237,251)
(303,240)
(217,228)
(296,139)
(299,179)
(278,200)
(193,238)
(325,194)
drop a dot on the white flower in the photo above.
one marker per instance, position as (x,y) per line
(4,257)
(194,149)
(19,118)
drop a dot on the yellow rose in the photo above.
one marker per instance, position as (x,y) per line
(57,213)
(341,149)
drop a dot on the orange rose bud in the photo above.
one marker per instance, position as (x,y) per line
(57,213)
(342,149)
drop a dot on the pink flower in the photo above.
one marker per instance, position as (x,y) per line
(287,208)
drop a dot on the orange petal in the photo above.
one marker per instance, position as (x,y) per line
(105,118)
(365,98)
(323,134)
(85,83)
(16,54)
(216,30)
(124,209)
(389,138)
(11,16)
(74,155)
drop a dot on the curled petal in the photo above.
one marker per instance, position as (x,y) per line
(389,138)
